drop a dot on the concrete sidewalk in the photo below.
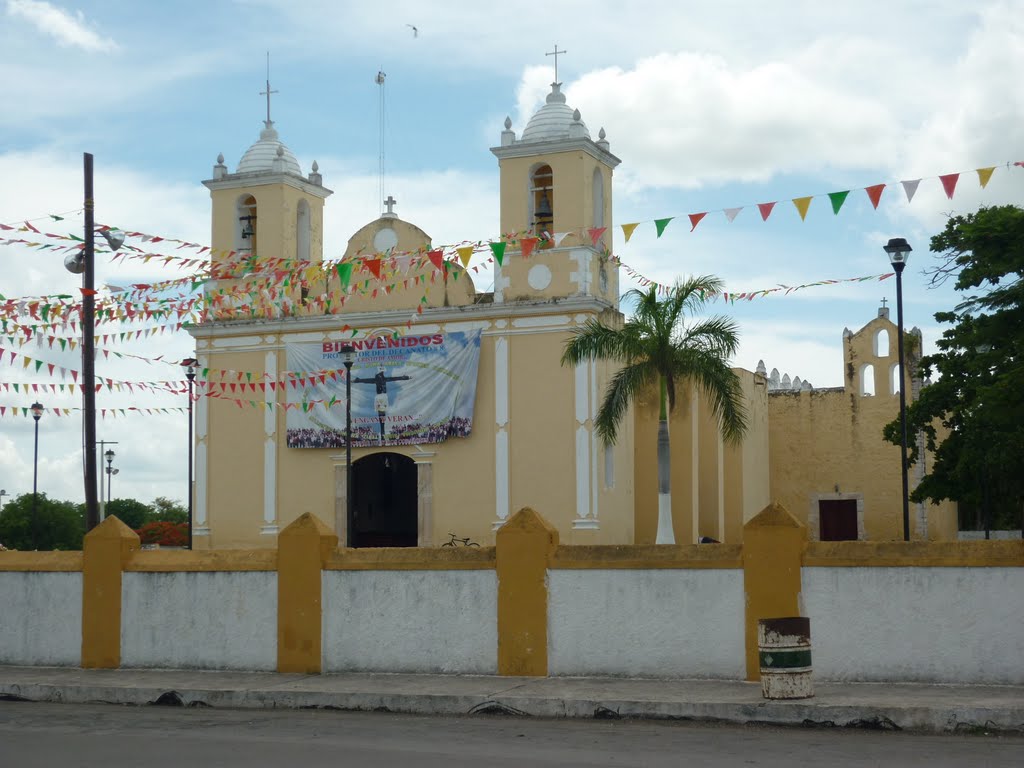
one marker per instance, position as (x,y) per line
(933,708)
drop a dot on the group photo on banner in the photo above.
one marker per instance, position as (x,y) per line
(406,390)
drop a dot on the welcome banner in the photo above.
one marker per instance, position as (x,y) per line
(405,390)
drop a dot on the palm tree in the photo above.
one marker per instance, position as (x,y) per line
(656,347)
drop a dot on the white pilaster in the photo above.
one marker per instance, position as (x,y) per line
(270,527)
(500,284)
(200,526)
(583,458)
(501,421)
(583,275)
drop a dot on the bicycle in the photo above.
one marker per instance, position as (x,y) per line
(455,542)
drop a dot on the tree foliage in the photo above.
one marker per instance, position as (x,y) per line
(131,512)
(52,525)
(972,416)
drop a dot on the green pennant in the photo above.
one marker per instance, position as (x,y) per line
(660,224)
(39,364)
(498,249)
(344,270)
(837,198)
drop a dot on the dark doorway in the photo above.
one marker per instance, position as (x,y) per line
(838,519)
(384,501)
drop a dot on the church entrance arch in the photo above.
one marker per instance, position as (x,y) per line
(385,504)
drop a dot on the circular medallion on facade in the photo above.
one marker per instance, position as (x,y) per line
(384,239)
(539,277)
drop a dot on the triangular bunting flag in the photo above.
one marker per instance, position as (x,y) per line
(949,183)
(595,234)
(802,204)
(344,273)
(660,224)
(875,193)
(436,258)
(527,244)
(465,254)
(984,174)
(373,265)
(695,219)
(765,209)
(838,198)
(732,213)
(627,229)
(910,187)
(498,249)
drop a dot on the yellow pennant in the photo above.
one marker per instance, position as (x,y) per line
(984,174)
(802,204)
(465,254)
(627,230)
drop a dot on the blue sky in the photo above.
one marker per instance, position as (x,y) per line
(709,106)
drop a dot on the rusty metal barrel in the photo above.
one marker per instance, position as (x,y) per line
(784,649)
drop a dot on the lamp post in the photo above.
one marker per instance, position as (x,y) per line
(3,492)
(37,412)
(109,456)
(899,251)
(103,499)
(348,357)
(190,374)
(83,263)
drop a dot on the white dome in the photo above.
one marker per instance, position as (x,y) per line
(262,156)
(554,120)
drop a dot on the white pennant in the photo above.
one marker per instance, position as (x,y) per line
(910,187)
(732,213)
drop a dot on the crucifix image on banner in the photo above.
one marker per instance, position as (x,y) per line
(407,390)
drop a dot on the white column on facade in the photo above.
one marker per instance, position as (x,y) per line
(583,453)
(500,284)
(595,452)
(200,526)
(501,420)
(695,463)
(582,275)
(269,526)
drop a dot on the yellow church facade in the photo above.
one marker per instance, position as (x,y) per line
(268,438)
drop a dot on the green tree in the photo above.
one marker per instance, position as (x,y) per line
(131,512)
(54,525)
(972,416)
(168,510)
(657,348)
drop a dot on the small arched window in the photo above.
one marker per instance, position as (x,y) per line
(245,227)
(882,343)
(867,380)
(598,196)
(542,200)
(302,231)
(894,379)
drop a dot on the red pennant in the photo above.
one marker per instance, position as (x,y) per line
(695,219)
(373,265)
(875,193)
(595,234)
(949,183)
(528,244)
(765,209)
(436,258)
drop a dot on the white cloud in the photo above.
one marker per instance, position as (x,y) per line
(69,30)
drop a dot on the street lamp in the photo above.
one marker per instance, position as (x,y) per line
(109,456)
(899,251)
(37,412)
(190,374)
(348,355)
(3,493)
(83,263)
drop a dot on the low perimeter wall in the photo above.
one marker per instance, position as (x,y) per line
(928,612)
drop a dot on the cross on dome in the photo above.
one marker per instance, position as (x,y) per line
(267,92)
(555,54)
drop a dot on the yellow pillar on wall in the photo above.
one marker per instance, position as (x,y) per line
(773,546)
(302,549)
(106,549)
(524,546)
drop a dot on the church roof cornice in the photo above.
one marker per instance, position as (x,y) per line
(261,179)
(537,148)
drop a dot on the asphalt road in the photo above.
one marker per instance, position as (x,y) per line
(110,736)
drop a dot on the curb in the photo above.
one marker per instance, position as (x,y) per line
(806,713)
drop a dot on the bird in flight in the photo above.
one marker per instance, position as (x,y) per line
(415,31)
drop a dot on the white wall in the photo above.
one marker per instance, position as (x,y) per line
(40,618)
(947,625)
(650,623)
(216,620)
(410,621)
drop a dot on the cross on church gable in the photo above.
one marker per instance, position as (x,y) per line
(391,203)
